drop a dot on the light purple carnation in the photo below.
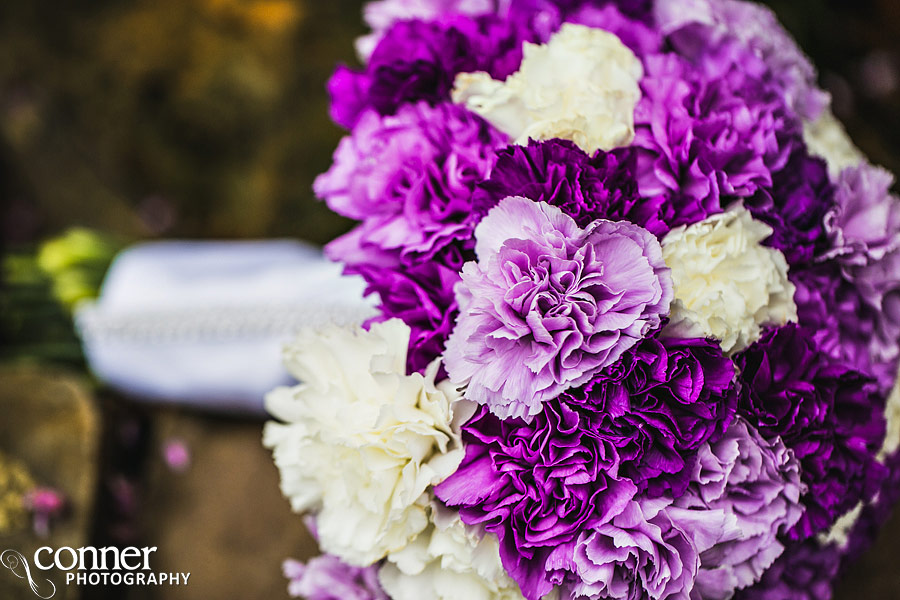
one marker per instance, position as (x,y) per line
(864,224)
(327,577)
(878,286)
(852,298)
(409,177)
(549,304)
(642,553)
(756,481)
(757,27)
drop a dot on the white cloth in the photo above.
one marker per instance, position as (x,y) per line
(203,323)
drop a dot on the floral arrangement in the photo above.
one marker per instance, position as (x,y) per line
(640,313)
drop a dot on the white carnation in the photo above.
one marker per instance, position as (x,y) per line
(448,561)
(892,418)
(362,441)
(580,86)
(840,531)
(827,139)
(726,283)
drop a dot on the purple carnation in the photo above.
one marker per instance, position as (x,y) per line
(418,60)
(878,287)
(758,483)
(409,177)
(853,329)
(755,26)
(613,17)
(864,268)
(585,188)
(327,577)
(659,404)
(864,223)
(537,486)
(805,571)
(381,14)
(795,206)
(830,415)
(421,293)
(548,304)
(642,553)
(710,130)
(637,10)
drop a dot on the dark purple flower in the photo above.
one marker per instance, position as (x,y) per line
(795,206)
(547,304)
(559,173)
(709,130)
(658,405)
(418,61)
(638,10)
(613,17)
(857,286)
(327,577)
(847,325)
(409,177)
(805,571)
(418,292)
(829,414)
(537,486)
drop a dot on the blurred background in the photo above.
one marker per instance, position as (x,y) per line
(133,120)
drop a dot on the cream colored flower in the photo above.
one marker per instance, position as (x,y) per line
(448,561)
(892,418)
(580,86)
(727,285)
(362,441)
(827,138)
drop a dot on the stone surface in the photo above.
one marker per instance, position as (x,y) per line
(51,424)
(223,518)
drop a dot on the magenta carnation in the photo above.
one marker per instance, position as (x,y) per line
(537,486)
(416,196)
(710,129)
(658,405)
(418,60)
(795,207)
(549,304)
(756,27)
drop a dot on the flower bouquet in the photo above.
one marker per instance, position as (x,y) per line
(639,313)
